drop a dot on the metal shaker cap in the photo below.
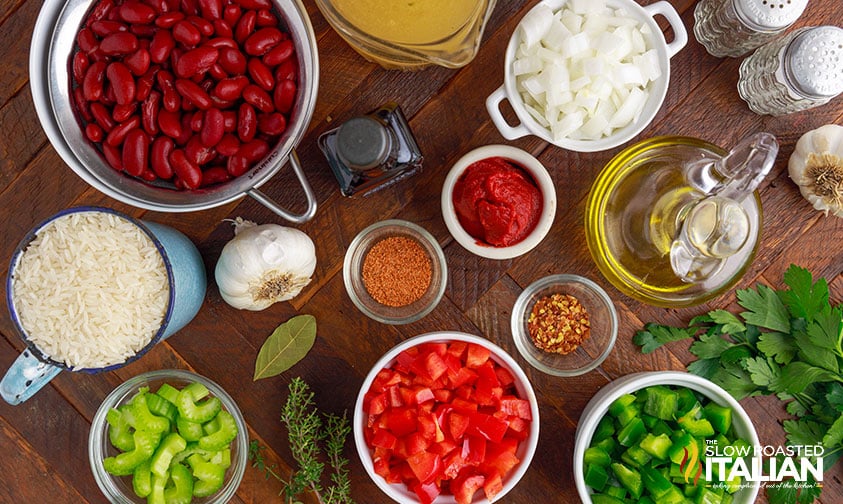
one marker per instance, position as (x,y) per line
(769,15)
(814,61)
(363,143)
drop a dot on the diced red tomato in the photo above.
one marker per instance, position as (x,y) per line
(445,418)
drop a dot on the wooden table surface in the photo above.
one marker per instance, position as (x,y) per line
(44,440)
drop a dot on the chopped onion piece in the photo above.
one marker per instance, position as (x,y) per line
(584,71)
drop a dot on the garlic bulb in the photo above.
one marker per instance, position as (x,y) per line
(264,264)
(816,166)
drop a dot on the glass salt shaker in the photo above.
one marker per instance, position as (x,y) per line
(735,27)
(799,71)
(370,152)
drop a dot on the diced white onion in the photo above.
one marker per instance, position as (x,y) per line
(583,72)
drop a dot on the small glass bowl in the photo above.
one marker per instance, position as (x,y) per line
(352,272)
(602,316)
(118,489)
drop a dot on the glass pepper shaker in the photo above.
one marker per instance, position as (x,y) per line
(370,152)
(735,27)
(799,71)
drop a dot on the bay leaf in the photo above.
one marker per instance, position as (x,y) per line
(286,346)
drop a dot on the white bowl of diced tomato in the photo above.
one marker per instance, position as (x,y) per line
(446,418)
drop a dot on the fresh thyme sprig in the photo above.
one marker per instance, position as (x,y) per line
(307,432)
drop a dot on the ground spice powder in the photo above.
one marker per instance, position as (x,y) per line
(396,271)
(558,323)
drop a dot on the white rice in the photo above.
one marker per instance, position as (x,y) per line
(90,290)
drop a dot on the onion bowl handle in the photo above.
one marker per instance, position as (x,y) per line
(680,34)
(493,107)
(269,203)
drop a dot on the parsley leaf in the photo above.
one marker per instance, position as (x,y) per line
(803,432)
(799,375)
(765,308)
(704,367)
(654,335)
(778,346)
(735,380)
(805,298)
(825,331)
(814,355)
(731,323)
(765,373)
(834,436)
(834,396)
(709,346)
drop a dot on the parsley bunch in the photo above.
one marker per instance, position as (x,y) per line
(787,343)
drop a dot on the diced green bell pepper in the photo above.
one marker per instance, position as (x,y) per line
(181,491)
(655,482)
(190,407)
(597,456)
(706,496)
(142,479)
(596,477)
(719,416)
(686,400)
(631,433)
(608,445)
(629,478)
(169,447)
(209,476)
(635,456)
(605,429)
(119,430)
(223,436)
(605,499)
(661,402)
(694,424)
(657,446)
(124,464)
(681,441)
(616,492)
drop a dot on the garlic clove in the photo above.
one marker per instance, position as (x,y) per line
(816,166)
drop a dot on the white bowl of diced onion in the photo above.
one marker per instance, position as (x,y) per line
(587,75)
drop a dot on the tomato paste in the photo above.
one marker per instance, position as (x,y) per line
(497,202)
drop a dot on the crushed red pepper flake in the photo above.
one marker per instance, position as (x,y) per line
(558,323)
(397,271)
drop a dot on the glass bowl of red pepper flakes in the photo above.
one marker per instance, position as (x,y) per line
(214,466)
(395,272)
(446,418)
(564,325)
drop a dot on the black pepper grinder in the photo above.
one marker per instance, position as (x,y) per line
(372,151)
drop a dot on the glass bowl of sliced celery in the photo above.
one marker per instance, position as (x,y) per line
(664,436)
(168,435)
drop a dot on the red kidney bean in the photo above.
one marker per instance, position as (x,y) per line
(247,122)
(198,153)
(170,98)
(287,70)
(193,92)
(196,61)
(136,152)
(187,33)
(229,120)
(170,123)
(100,11)
(188,172)
(279,53)
(272,124)
(205,27)
(189,7)
(119,43)
(211,9)
(228,145)
(92,84)
(214,175)
(145,83)
(230,88)
(94,132)
(149,113)
(255,4)
(143,30)
(223,29)
(87,41)
(105,27)
(116,136)
(169,19)
(102,116)
(161,45)
(265,17)
(245,26)
(213,127)
(232,61)
(186,132)
(217,72)
(136,13)
(261,41)
(113,156)
(82,105)
(254,151)
(222,42)
(121,113)
(122,81)
(284,96)
(261,74)
(80,65)
(237,165)
(196,121)
(138,62)
(260,99)
(231,14)
(159,156)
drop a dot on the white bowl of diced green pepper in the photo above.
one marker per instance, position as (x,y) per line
(645,438)
(165,436)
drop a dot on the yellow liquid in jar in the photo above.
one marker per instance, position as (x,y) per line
(414,22)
